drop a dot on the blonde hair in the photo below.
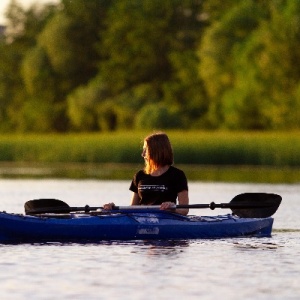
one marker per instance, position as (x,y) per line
(160,152)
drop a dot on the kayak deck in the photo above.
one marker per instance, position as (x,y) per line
(133,225)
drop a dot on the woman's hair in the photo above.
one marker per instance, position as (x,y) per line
(160,151)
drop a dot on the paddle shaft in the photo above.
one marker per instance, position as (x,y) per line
(211,205)
(88,208)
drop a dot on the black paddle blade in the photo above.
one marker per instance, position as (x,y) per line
(255,205)
(43,204)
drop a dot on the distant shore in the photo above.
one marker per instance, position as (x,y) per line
(216,148)
(272,157)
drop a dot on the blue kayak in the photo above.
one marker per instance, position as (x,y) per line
(133,225)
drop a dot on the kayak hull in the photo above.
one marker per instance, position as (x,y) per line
(156,225)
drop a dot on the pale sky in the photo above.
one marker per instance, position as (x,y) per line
(24,3)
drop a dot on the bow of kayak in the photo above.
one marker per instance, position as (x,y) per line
(135,225)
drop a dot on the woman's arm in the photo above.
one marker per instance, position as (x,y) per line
(135,200)
(183,199)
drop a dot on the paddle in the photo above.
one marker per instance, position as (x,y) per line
(247,205)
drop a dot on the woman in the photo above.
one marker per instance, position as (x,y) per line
(159,183)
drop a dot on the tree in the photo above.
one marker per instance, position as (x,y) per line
(266,94)
(68,46)
(83,104)
(135,43)
(153,42)
(156,116)
(23,27)
(40,111)
(217,54)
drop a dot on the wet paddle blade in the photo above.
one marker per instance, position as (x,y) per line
(44,204)
(255,205)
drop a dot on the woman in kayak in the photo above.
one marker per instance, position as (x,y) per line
(159,183)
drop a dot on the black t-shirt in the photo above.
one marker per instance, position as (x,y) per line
(153,190)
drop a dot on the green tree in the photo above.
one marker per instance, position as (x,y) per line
(152,42)
(135,43)
(83,105)
(6,82)
(23,27)
(184,91)
(266,94)
(156,116)
(68,59)
(40,110)
(217,54)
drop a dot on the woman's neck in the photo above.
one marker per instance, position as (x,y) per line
(160,170)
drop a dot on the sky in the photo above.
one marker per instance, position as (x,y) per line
(24,3)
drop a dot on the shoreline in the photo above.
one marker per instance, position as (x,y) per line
(121,171)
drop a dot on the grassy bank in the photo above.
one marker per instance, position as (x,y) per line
(276,149)
(204,156)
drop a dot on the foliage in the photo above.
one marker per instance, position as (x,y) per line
(156,116)
(102,65)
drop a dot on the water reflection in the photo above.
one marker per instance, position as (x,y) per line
(161,248)
(151,247)
(255,245)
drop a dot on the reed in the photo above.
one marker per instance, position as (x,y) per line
(190,147)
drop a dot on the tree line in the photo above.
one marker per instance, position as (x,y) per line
(103,65)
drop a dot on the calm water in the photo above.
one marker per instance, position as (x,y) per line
(241,268)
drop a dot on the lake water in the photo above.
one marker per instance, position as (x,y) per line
(239,268)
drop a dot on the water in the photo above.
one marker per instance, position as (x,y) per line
(239,268)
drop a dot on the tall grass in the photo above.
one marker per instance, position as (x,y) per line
(190,147)
(238,148)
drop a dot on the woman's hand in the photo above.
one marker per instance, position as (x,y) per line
(108,206)
(168,206)
(183,199)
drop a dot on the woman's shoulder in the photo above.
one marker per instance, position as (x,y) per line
(180,178)
(139,174)
(175,170)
